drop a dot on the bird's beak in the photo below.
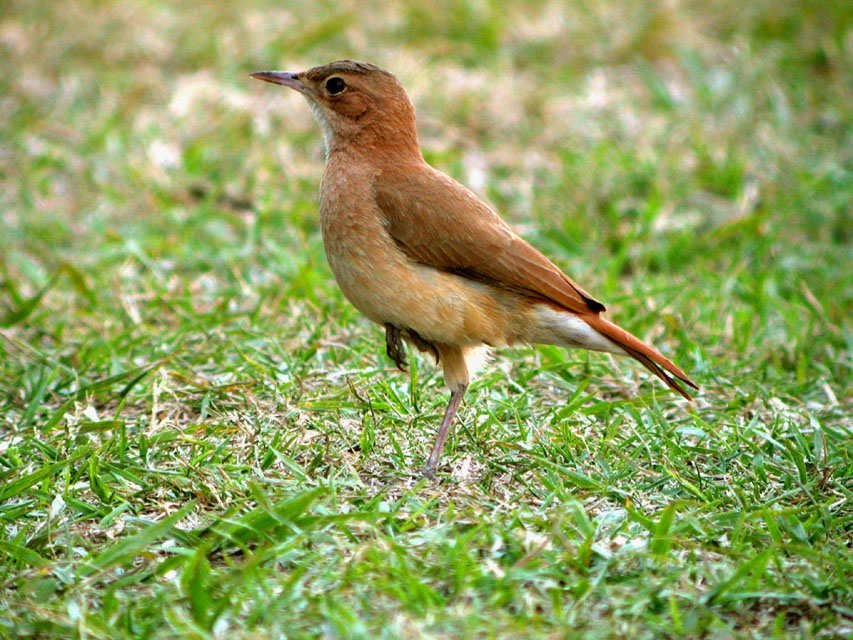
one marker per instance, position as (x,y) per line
(281,77)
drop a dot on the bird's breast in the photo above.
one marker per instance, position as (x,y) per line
(385,285)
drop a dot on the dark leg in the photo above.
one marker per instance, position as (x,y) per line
(443,430)
(422,345)
(394,346)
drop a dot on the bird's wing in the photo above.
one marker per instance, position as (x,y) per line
(437,222)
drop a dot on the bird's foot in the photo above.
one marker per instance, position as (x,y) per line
(422,345)
(394,347)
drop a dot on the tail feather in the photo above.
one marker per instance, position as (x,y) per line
(650,357)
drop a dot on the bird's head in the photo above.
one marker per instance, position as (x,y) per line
(354,101)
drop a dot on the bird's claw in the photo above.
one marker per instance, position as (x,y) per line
(394,347)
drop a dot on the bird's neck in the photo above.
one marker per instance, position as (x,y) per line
(389,140)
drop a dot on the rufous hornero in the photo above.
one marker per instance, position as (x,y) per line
(426,258)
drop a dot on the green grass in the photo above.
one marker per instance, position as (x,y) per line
(200,438)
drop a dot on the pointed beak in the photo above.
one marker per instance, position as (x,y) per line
(280,77)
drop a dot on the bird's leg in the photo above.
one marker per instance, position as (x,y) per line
(394,346)
(443,430)
(422,345)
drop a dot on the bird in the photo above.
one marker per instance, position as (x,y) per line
(427,259)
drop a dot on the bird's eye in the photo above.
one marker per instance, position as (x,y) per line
(335,85)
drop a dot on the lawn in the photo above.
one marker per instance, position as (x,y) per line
(200,438)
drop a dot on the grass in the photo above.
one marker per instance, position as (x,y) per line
(200,438)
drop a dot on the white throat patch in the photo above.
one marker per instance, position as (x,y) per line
(320,117)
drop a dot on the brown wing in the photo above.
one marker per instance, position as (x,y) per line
(438,222)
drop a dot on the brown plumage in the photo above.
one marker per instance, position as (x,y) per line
(427,259)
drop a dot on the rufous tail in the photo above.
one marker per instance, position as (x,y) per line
(651,358)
